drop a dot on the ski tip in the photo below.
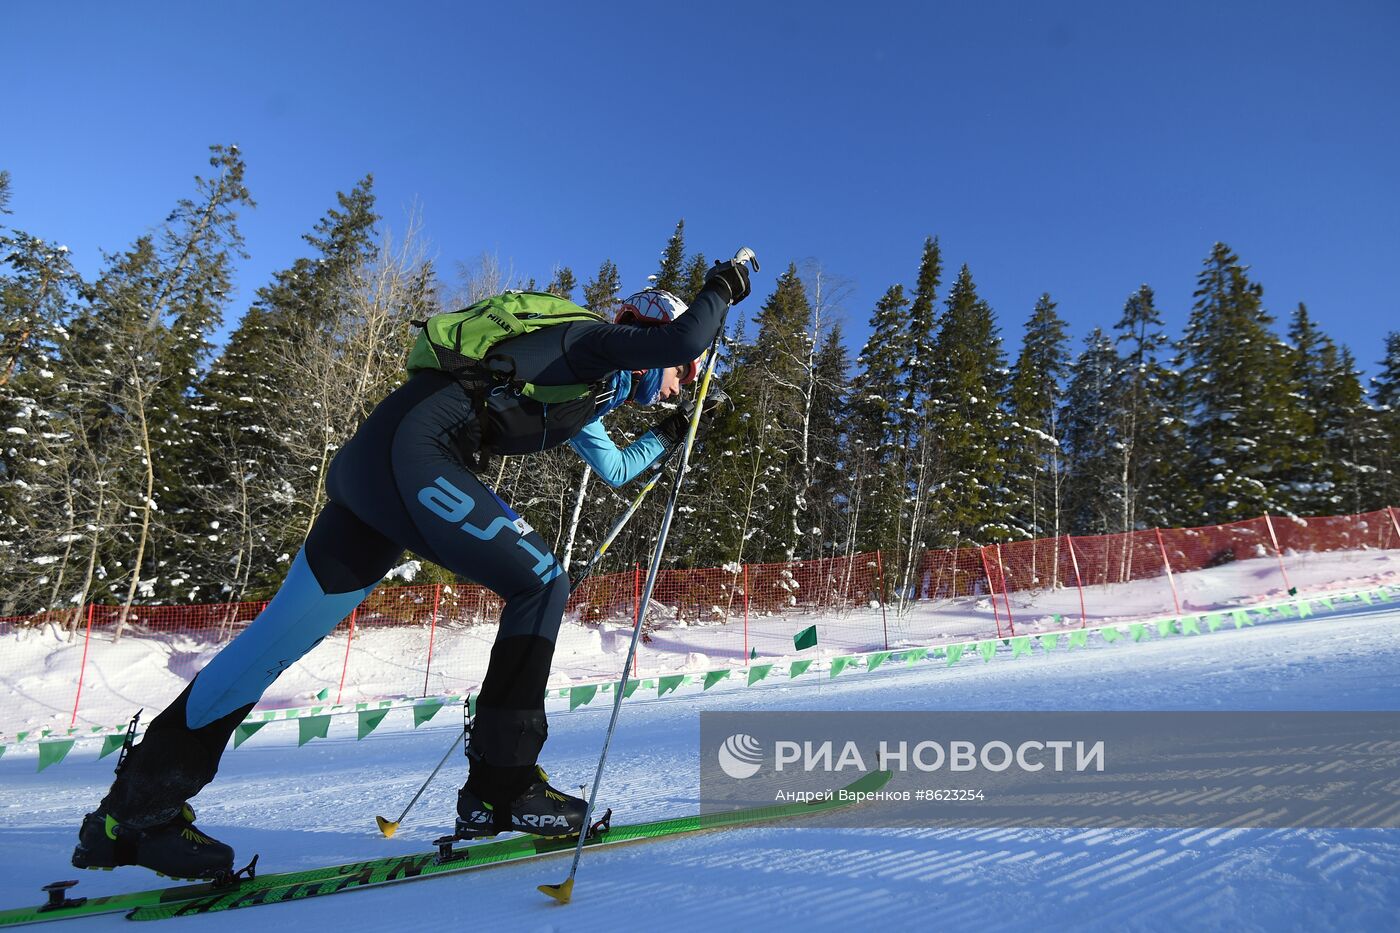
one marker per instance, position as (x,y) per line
(560,892)
(387,827)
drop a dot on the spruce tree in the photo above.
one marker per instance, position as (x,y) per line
(672,276)
(695,271)
(875,457)
(562,283)
(1383,454)
(601,293)
(1088,419)
(1035,472)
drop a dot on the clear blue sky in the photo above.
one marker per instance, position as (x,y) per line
(1076,148)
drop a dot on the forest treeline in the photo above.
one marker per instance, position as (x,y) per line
(141,464)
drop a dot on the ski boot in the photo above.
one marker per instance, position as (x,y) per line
(540,810)
(174,848)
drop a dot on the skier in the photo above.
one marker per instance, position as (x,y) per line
(409,479)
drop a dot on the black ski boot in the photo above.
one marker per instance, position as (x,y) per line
(541,810)
(173,848)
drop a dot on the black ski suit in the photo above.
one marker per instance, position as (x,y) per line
(402,482)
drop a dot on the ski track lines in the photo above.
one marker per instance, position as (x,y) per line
(303,807)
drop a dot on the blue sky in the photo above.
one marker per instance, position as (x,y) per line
(1076,148)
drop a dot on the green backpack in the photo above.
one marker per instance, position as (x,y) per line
(460,343)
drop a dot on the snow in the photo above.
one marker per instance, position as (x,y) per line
(300,807)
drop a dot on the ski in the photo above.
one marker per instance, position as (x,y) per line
(181,900)
(481,855)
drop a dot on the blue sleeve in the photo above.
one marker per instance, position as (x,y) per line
(613,465)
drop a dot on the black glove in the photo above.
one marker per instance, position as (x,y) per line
(672,428)
(734,277)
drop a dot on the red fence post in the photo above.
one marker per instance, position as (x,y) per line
(1292,591)
(1176,601)
(87,639)
(346,666)
(1078,582)
(1005,592)
(746,615)
(432,630)
(991,586)
(884,619)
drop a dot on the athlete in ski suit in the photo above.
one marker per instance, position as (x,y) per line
(403,482)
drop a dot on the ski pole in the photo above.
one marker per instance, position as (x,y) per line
(389,827)
(563,891)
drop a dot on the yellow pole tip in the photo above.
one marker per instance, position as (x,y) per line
(560,892)
(387,827)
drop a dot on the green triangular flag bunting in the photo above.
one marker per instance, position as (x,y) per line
(714,677)
(1079,639)
(243,733)
(839,664)
(632,685)
(1189,626)
(1286,610)
(1020,645)
(1048,642)
(1138,631)
(1059,619)
(21,736)
(269,715)
(1166,627)
(1241,618)
(424,711)
(807,638)
(312,727)
(583,693)
(1304,609)
(938,652)
(758,672)
(753,653)
(986,649)
(955,653)
(2,751)
(666,684)
(1110,634)
(1328,604)
(110,743)
(323,694)
(798,668)
(1214,621)
(51,753)
(918,654)
(1365,597)
(876,659)
(369,721)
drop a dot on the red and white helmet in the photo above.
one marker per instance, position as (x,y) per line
(651,307)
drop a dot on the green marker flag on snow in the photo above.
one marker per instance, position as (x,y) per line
(876,659)
(312,727)
(1214,621)
(915,656)
(110,743)
(1048,642)
(1327,603)
(1189,626)
(243,733)
(1137,631)
(758,672)
(269,715)
(714,677)
(1166,627)
(424,711)
(665,685)
(1241,618)
(369,721)
(1365,597)
(21,736)
(2,751)
(1079,639)
(1304,609)
(51,753)
(839,664)
(955,653)
(582,694)
(798,668)
(324,694)
(1110,634)
(986,649)
(807,638)
(753,653)
(633,684)
(1020,645)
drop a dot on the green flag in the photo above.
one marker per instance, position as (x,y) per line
(798,668)
(1241,618)
(1049,641)
(51,753)
(807,638)
(1189,626)
(1304,609)
(665,685)
(955,653)
(759,672)
(245,731)
(915,656)
(1079,639)
(714,677)
(312,727)
(324,694)
(369,721)
(1166,627)
(1110,634)
(425,710)
(1138,631)
(986,649)
(753,653)
(876,659)
(839,664)
(582,694)
(631,688)
(110,743)
(1020,645)
(1214,621)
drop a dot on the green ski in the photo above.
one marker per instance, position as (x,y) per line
(182,900)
